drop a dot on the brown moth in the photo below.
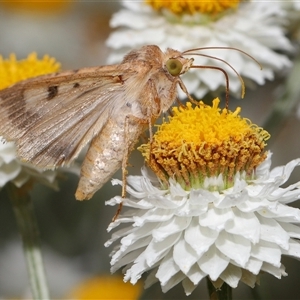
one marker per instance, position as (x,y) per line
(52,117)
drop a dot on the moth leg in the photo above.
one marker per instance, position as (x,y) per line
(125,160)
(124,170)
(126,156)
(184,89)
(150,136)
(124,163)
(118,211)
(179,103)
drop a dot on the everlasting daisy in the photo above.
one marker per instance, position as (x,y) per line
(214,208)
(256,27)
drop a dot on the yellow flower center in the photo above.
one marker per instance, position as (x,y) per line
(191,7)
(205,142)
(12,70)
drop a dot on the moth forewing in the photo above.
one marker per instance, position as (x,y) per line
(51,118)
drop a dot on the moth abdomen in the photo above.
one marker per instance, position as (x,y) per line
(106,154)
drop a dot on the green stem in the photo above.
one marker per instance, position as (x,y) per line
(223,293)
(28,228)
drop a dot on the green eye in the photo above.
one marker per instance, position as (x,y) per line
(174,66)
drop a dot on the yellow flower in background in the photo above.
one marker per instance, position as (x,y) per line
(37,6)
(13,70)
(214,209)
(105,287)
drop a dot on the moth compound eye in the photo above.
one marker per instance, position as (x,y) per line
(174,66)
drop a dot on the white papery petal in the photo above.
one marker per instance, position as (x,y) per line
(199,238)
(275,271)
(294,249)
(151,279)
(203,197)
(173,281)
(231,236)
(216,218)
(125,249)
(253,204)
(184,256)
(235,247)
(17,172)
(125,260)
(245,224)
(195,274)
(284,172)
(286,195)
(253,265)
(213,263)
(133,20)
(248,278)
(134,234)
(267,252)
(170,227)
(167,269)
(188,286)
(271,231)
(135,272)
(291,229)
(232,275)
(165,202)
(8,151)
(153,215)
(8,172)
(282,213)
(157,250)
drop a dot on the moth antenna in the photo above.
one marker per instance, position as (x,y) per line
(222,48)
(226,78)
(230,66)
(191,52)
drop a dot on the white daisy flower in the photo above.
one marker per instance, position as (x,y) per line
(256,27)
(217,209)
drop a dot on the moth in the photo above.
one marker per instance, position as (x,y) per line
(52,117)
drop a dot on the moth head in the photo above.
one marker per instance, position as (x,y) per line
(176,64)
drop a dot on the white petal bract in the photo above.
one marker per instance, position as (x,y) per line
(17,172)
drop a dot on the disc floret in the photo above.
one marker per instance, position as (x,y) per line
(206,147)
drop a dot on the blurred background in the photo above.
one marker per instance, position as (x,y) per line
(73,233)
